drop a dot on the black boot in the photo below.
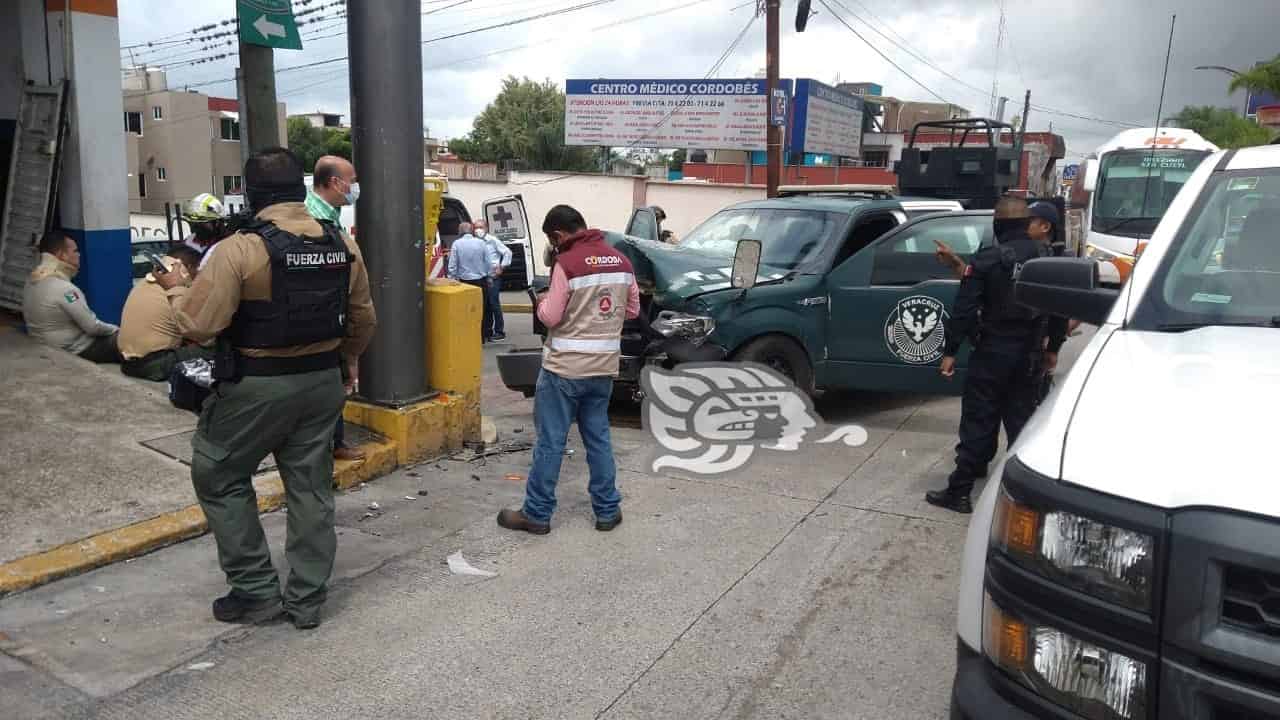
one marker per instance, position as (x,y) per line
(951,500)
(233,607)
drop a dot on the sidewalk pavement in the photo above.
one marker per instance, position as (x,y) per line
(95,465)
(814,584)
(516,301)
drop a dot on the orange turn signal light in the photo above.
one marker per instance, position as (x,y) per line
(1007,638)
(1017,527)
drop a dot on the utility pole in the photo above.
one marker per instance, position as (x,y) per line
(774,132)
(259,126)
(385,46)
(1022,136)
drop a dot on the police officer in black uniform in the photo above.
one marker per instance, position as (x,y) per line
(1010,354)
(288,299)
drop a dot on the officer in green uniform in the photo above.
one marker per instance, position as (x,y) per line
(287,297)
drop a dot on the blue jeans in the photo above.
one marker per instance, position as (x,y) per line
(496,324)
(558,402)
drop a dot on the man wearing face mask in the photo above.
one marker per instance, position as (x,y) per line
(1009,354)
(333,185)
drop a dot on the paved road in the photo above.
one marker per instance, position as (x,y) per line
(809,585)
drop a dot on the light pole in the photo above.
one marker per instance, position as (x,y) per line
(1233,73)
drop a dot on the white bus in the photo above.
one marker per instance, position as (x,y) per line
(1127,184)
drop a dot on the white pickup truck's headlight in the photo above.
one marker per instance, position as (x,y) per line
(1087,679)
(1107,562)
(694,328)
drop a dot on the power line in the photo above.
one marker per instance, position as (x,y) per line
(977,90)
(715,68)
(461,61)
(330,61)
(909,76)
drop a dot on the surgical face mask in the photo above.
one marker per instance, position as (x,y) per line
(352,194)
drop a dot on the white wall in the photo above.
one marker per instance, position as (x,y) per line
(605,201)
(688,204)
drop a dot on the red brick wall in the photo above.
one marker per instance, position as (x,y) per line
(734,174)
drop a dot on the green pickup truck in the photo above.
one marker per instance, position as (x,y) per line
(846,291)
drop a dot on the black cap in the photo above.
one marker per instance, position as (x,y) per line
(1045,211)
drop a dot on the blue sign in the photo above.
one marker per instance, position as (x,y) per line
(1257,100)
(826,121)
(1070,172)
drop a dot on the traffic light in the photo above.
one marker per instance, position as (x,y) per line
(802,15)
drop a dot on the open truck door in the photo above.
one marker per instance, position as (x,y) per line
(509,222)
(643,224)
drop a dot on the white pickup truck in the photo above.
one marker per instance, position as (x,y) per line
(1123,563)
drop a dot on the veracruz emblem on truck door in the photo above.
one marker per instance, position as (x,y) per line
(915,330)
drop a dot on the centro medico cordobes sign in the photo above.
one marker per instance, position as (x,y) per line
(706,114)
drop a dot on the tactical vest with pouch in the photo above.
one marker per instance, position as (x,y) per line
(310,278)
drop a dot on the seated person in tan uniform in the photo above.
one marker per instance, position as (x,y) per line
(56,311)
(149,337)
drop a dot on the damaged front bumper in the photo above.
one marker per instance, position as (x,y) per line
(519,368)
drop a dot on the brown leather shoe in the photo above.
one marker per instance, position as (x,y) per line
(348,453)
(516,520)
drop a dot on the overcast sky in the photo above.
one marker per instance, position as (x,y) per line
(1095,58)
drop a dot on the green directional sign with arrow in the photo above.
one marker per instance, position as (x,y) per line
(268,23)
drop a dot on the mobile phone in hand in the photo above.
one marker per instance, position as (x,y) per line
(156,264)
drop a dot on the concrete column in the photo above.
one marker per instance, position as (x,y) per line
(385,41)
(94,201)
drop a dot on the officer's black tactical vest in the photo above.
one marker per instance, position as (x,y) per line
(1002,314)
(309,285)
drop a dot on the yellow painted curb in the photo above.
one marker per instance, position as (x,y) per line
(140,538)
(525,308)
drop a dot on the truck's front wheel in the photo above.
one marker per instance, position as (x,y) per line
(783,355)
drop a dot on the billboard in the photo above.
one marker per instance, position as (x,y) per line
(702,114)
(1257,100)
(826,120)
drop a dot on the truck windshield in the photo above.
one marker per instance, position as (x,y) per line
(790,239)
(1224,268)
(1136,186)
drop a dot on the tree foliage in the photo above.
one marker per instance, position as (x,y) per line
(309,142)
(1260,79)
(525,123)
(1222,127)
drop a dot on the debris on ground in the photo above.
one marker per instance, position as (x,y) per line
(476,478)
(413,473)
(569,452)
(458,565)
(488,431)
(200,666)
(509,446)
(422,493)
(410,497)
(374,506)
(369,516)
(513,477)
(517,430)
